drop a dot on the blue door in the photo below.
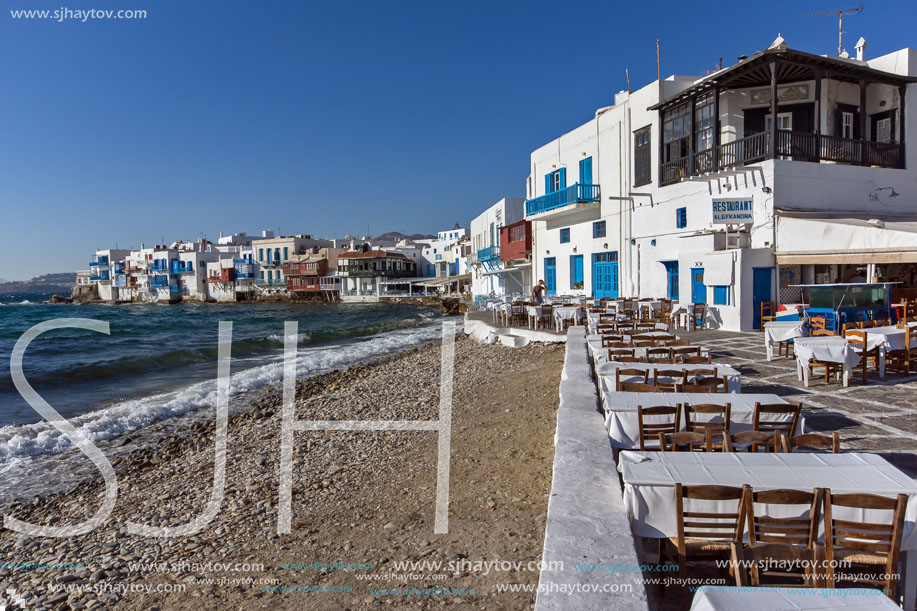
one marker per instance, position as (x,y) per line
(671,272)
(576,272)
(605,275)
(550,274)
(698,288)
(762,281)
(585,171)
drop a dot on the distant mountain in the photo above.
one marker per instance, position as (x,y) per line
(2,280)
(49,283)
(397,236)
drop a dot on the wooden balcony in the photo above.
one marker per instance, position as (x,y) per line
(792,146)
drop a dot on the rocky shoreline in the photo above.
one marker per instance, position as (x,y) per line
(361,500)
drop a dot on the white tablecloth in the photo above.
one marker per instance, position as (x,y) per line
(730,598)
(650,477)
(825,348)
(562,313)
(606,373)
(594,340)
(600,355)
(781,331)
(624,427)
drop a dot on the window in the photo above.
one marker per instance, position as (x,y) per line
(576,272)
(642,172)
(847,125)
(681,218)
(784,121)
(555,181)
(261,254)
(671,269)
(598,229)
(883,130)
(704,122)
(585,171)
(565,235)
(721,295)
(517,233)
(286,253)
(676,135)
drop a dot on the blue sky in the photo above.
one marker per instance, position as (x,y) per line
(329,117)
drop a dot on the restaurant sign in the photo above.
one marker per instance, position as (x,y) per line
(733,211)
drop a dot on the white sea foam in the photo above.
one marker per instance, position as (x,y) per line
(21,446)
(300,337)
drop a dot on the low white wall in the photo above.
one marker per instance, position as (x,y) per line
(587,522)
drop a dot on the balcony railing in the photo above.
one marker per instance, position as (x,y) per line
(791,145)
(491,253)
(574,194)
(98,261)
(160,265)
(159,282)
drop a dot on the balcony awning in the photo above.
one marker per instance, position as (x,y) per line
(792,66)
(821,240)
(508,270)
(442,281)
(718,269)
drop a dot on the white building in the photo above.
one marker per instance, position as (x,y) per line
(686,188)
(489,274)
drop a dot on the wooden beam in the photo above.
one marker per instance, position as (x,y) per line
(864,127)
(716,128)
(773,134)
(902,93)
(818,77)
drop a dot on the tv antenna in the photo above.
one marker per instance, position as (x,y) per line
(840,22)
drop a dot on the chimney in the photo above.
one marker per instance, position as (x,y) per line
(861,49)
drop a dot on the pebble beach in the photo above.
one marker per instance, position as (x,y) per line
(363,502)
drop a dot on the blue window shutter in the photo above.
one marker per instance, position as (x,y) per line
(563,178)
(547,183)
(585,171)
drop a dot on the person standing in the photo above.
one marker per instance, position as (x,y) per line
(538,292)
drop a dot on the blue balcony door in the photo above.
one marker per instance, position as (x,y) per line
(698,288)
(550,274)
(671,272)
(605,275)
(585,171)
(576,272)
(762,281)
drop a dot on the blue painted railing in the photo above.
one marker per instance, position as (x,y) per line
(160,265)
(491,253)
(96,260)
(182,267)
(574,194)
(158,282)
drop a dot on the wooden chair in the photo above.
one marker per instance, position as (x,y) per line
(547,317)
(698,315)
(718,428)
(751,441)
(659,352)
(631,372)
(768,312)
(758,565)
(681,342)
(700,388)
(686,351)
(637,387)
(799,529)
(779,421)
(699,376)
(812,441)
(630,359)
(703,535)
(678,376)
(661,360)
(697,360)
(517,315)
(899,361)
(642,343)
(609,339)
(871,545)
(818,326)
(614,353)
(650,431)
(691,442)
(859,339)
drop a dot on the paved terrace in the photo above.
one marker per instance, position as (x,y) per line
(879,417)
